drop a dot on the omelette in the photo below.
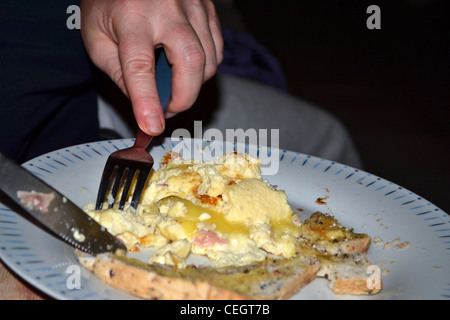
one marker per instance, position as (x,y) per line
(222,209)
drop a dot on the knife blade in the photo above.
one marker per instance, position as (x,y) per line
(53,210)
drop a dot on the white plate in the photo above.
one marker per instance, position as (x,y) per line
(358,199)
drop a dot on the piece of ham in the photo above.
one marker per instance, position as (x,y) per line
(208,238)
(35,200)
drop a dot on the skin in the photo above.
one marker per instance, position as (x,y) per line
(120,37)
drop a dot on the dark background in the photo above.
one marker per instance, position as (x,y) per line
(389,87)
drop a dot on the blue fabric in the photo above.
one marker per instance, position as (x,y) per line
(246,57)
(47,98)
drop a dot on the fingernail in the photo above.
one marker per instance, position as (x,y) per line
(169,115)
(154,123)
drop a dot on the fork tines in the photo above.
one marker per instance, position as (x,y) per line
(119,181)
(126,171)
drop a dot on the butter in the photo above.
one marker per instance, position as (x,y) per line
(320,227)
(335,235)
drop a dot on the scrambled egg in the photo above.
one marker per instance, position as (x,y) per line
(221,209)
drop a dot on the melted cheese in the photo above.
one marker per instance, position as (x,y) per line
(191,221)
(222,208)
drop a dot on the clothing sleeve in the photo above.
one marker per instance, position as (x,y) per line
(47,96)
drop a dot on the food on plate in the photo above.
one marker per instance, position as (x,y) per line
(326,234)
(270,279)
(222,209)
(342,254)
(36,201)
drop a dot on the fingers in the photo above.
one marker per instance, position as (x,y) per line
(215,30)
(187,57)
(203,19)
(137,61)
(121,36)
(194,46)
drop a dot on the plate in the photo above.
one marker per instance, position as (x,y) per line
(411,236)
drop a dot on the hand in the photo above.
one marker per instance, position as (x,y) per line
(120,36)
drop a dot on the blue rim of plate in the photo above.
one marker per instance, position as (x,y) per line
(17,252)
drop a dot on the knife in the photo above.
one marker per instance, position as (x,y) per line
(54,210)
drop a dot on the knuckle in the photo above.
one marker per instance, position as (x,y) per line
(139,65)
(193,57)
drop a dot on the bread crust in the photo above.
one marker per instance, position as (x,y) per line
(343,263)
(347,274)
(343,259)
(148,284)
(275,279)
(326,234)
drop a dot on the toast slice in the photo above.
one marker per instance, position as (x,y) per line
(325,234)
(342,255)
(272,279)
(350,274)
(342,260)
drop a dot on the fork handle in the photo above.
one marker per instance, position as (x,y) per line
(163,77)
(142,139)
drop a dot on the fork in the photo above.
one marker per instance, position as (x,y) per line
(127,170)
